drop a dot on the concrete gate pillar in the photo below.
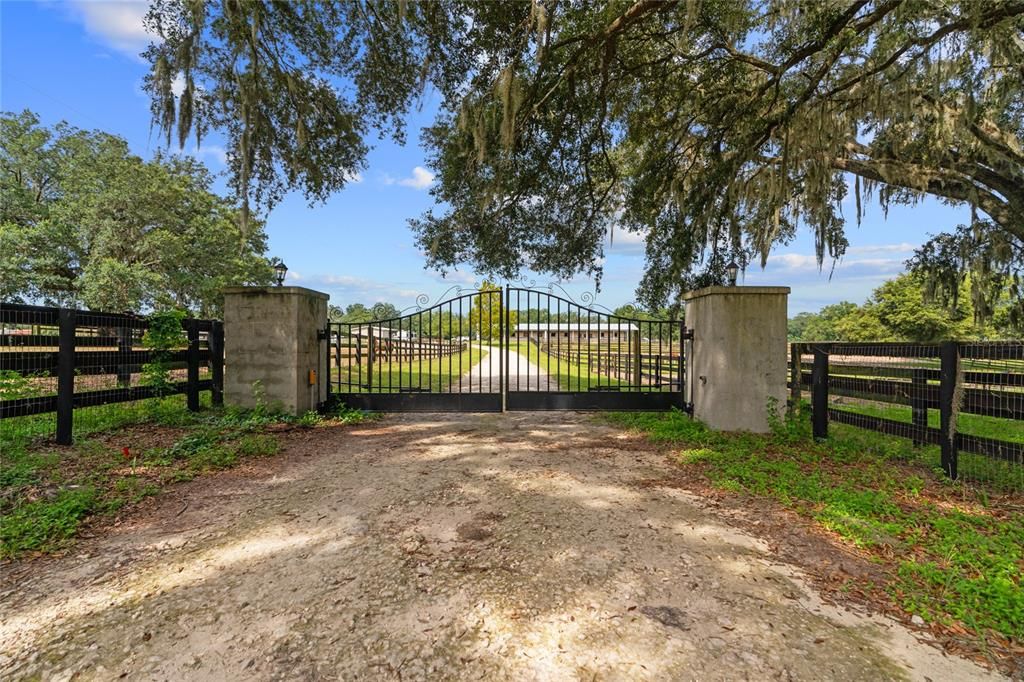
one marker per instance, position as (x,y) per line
(738,364)
(271,336)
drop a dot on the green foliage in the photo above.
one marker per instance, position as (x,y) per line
(348,415)
(901,306)
(901,309)
(192,445)
(86,223)
(164,334)
(14,385)
(309,418)
(485,314)
(954,561)
(257,445)
(715,129)
(45,524)
(978,262)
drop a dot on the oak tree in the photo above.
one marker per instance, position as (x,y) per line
(715,128)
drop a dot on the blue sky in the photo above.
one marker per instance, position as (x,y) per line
(77,60)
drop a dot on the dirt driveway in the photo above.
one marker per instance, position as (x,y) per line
(516,546)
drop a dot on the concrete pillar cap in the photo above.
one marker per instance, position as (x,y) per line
(280,291)
(712,291)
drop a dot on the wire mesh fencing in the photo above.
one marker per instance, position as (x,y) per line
(989,413)
(57,364)
(961,404)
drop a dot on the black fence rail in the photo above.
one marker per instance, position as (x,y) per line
(61,359)
(641,364)
(977,382)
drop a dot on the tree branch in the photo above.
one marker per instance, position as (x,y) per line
(943,183)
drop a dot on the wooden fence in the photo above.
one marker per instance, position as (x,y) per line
(952,377)
(650,369)
(356,349)
(61,359)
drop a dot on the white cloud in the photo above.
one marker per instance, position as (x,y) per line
(210,151)
(793,261)
(458,277)
(903,247)
(178,85)
(346,289)
(421,178)
(808,263)
(624,241)
(117,23)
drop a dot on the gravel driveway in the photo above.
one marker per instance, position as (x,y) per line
(515,546)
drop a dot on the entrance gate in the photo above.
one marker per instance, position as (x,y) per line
(508,349)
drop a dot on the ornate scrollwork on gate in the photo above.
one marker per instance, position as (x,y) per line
(423,300)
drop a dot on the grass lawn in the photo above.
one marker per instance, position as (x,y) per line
(996,474)
(569,376)
(48,491)
(436,375)
(953,556)
(974,424)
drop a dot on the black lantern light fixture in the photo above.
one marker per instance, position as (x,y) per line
(732,271)
(280,270)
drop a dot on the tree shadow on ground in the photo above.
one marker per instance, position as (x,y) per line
(477,546)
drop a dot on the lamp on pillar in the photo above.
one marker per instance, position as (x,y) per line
(280,270)
(732,271)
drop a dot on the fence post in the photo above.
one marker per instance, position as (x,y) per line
(192,355)
(819,393)
(796,377)
(919,405)
(217,362)
(947,389)
(124,349)
(66,376)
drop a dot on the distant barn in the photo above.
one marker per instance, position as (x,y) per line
(574,332)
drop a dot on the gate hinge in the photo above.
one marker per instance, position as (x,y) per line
(322,334)
(687,334)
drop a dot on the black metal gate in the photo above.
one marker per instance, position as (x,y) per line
(513,348)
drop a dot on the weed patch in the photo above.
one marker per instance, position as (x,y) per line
(122,454)
(45,524)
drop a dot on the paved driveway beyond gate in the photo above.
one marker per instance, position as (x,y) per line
(522,546)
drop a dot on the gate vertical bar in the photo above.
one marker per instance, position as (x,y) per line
(558,336)
(490,339)
(682,366)
(637,374)
(337,354)
(460,346)
(502,343)
(540,334)
(369,359)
